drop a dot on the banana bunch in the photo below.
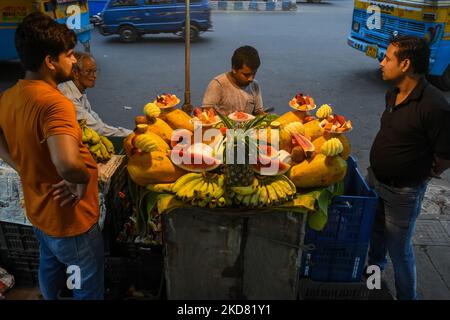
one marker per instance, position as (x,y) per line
(270,191)
(99,146)
(202,190)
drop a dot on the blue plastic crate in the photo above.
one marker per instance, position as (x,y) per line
(341,248)
(350,217)
(335,262)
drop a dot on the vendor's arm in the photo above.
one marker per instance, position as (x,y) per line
(259,107)
(440,165)
(4,151)
(213,95)
(95,122)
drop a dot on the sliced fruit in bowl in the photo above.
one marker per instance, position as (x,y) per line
(240,116)
(302,103)
(166,100)
(336,124)
(206,118)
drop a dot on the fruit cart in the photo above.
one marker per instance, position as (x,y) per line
(241,231)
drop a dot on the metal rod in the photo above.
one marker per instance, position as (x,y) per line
(187,107)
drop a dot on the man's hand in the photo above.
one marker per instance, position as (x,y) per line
(439,166)
(68,192)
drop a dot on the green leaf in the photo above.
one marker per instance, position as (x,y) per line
(339,188)
(324,200)
(254,122)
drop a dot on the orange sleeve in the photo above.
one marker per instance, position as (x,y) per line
(60,118)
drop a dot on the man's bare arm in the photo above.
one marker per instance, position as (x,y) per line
(66,157)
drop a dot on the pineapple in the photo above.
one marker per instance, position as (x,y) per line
(239,174)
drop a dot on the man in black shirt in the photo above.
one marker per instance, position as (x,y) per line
(412,145)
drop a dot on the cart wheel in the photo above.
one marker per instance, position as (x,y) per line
(194,33)
(128,34)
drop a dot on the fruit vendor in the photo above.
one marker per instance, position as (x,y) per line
(412,145)
(41,138)
(84,76)
(237,90)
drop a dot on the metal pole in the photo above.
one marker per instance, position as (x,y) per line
(187,107)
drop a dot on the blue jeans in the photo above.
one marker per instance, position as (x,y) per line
(393,230)
(57,254)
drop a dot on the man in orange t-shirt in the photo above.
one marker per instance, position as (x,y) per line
(41,139)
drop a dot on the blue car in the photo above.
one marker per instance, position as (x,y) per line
(132,18)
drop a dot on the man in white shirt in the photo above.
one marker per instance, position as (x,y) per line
(237,90)
(84,76)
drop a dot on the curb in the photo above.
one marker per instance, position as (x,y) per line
(270,5)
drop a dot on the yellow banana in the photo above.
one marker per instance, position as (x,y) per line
(87,134)
(189,186)
(104,151)
(272,194)
(188,193)
(160,187)
(94,137)
(201,189)
(244,190)
(281,194)
(291,185)
(108,144)
(185,179)
(255,198)
(263,196)
(95,148)
(218,190)
(222,202)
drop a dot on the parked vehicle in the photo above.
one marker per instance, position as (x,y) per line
(429,19)
(12,13)
(132,18)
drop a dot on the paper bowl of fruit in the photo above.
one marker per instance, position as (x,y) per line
(206,118)
(336,124)
(167,100)
(302,103)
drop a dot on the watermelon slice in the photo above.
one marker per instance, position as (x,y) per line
(303,142)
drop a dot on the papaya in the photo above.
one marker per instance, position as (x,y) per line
(320,171)
(177,119)
(291,116)
(153,167)
(313,130)
(128,143)
(318,142)
(161,128)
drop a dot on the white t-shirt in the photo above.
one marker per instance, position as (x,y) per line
(227,97)
(84,111)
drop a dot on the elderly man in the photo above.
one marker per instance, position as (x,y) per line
(84,76)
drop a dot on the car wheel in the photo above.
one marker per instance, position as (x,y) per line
(194,33)
(128,34)
(443,81)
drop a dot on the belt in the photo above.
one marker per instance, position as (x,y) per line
(401,184)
